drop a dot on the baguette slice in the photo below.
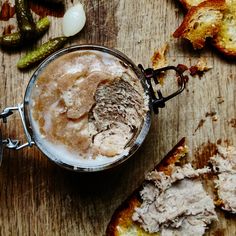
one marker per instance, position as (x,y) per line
(121,223)
(225,39)
(190,3)
(170,202)
(201,22)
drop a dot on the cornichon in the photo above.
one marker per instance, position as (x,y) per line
(42,26)
(15,39)
(11,40)
(24,18)
(41,53)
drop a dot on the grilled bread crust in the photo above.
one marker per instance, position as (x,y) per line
(121,223)
(201,22)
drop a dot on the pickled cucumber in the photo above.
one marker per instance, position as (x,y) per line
(11,40)
(41,53)
(42,26)
(24,18)
(15,39)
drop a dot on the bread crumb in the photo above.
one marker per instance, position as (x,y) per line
(200,67)
(215,118)
(158,61)
(220,100)
(159,57)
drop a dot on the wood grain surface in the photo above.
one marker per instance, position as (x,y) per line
(39,198)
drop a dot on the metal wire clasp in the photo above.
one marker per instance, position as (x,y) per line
(14,143)
(149,73)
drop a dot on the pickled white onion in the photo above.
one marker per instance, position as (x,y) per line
(74,20)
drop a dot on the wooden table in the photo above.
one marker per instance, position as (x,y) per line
(39,198)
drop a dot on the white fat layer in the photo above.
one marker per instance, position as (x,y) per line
(175,204)
(60,153)
(224,165)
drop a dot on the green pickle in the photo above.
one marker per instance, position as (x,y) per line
(42,26)
(15,39)
(41,53)
(24,18)
(11,40)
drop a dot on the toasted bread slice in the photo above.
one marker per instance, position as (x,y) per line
(134,209)
(225,39)
(191,3)
(201,22)
(121,223)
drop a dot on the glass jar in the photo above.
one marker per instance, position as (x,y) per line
(146,77)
